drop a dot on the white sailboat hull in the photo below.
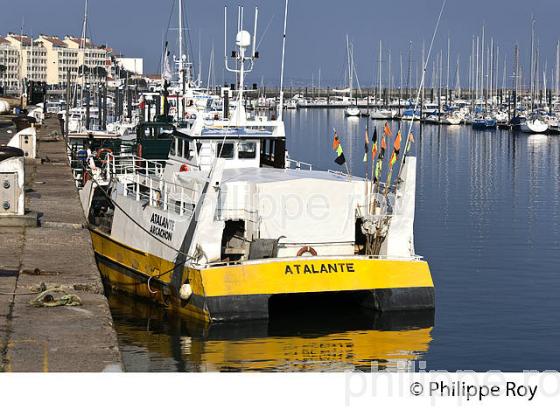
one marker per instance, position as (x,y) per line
(352,112)
(534,127)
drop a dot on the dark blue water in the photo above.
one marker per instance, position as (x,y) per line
(487,221)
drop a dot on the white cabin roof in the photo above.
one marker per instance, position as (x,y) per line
(267,175)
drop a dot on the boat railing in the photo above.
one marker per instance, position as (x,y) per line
(293,164)
(132,164)
(143,181)
(159,193)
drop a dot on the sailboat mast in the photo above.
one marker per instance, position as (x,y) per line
(557,71)
(482,93)
(477,78)
(448,65)
(82,46)
(181,62)
(349,66)
(379,69)
(532,79)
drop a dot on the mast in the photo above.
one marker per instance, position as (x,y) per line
(349,67)
(181,66)
(557,70)
(532,79)
(448,65)
(282,65)
(491,69)
(379,69)
(482,93)
(409,75)
(82,46)
(477,71)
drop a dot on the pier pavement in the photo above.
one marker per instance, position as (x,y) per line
(58,252)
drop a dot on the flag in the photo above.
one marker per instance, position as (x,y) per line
(383,147)
(335,142)
(166,69)
(396,149)
(374,140)
(340,160)
(378,169)
(410,142)
(366,146)
(387,130)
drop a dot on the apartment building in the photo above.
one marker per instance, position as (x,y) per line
(9,60)
(49,58)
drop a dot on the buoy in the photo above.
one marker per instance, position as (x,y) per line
(307,250)
(184,168)
(185,292)
(105,151)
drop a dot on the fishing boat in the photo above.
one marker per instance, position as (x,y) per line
(213,220)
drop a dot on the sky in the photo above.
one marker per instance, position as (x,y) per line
(317,31)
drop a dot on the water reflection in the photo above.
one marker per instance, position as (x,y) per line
(487,220)
(152,340)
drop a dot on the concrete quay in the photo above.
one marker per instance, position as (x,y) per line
(57,253)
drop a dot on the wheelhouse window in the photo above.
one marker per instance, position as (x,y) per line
(247,150)
(225,150)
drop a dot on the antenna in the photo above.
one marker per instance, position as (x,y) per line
(243,43)
(255,32)
(225,34)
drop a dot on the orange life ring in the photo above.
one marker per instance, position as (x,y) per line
(184,168)
(306,249)
(104,151)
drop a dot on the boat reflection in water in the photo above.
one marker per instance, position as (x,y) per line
(303,339)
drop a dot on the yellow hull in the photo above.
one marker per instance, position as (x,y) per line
(242,290)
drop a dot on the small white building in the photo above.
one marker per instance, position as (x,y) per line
(134,65)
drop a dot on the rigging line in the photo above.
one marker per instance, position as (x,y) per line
(264,32)
(406,145)
(170,17)
(165,35)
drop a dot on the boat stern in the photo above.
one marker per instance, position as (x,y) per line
(245,290)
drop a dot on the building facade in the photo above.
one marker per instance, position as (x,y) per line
(50,59)
(9,60)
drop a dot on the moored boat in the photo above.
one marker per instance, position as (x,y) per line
(209,219)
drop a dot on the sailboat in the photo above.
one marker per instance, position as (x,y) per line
(203,219)
(352,110)
(533,124)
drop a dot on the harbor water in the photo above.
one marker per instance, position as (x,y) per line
(488,222)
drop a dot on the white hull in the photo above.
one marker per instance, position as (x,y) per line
(382,114)
(534,127)
(352,112)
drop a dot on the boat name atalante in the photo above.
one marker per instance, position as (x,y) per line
(322,268)
(162,226)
